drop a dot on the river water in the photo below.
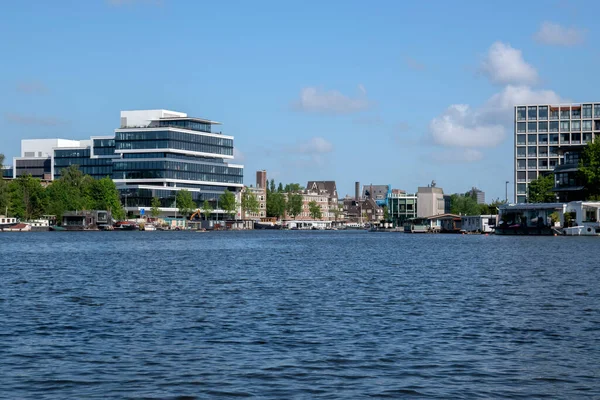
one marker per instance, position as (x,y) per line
(297,314)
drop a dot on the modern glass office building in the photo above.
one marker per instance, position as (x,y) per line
(161,152)
(94,157)
(544,133)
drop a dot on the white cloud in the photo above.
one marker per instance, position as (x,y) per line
(414,64)
(557,35)
(33,120)
(238,156)
(456,156)
(331,102)
(485,126)
(504,64)
(32,87)
(316,145)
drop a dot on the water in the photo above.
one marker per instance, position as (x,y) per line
(298,315)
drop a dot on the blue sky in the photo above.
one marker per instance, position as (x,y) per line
(389,92)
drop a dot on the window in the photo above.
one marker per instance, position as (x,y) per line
(521,140)
(554,113)
(531,139)
(531,151)
(521,176)
(532,127)
(543,127)
(521,152)
(554,126)
(543,151)
(521,188)
(543,112)
(531,164)
(575,125)
(521,199)
(565,113)
(576,113)
(531,175)
(586,111)
(587,137)
(553,163)
(553,138)
(576,138)
(587,125)
(596,110)
(521,127)
(564,126)
(553,151)
(564,138)
(543,164)
(521,114)
(532,112)
(543,139)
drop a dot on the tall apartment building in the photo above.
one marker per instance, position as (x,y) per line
(544,133)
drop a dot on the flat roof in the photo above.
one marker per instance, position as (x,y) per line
(201,120)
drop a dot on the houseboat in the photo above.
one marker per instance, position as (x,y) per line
(478,223)
(582,218)
(530,219)
(86,220)
(417,225)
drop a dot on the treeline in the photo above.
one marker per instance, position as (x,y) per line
(26,198)
(466,204)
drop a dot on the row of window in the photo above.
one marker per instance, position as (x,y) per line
(541,112)
(170,135)
(176,166)
(526,176)
(182,175)
(184,124)
(538,164)
(562,138)
(143,197)
(172,144)
(532,151)
(174,155)
(555,126)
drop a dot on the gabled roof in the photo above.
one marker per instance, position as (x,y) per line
(328,186)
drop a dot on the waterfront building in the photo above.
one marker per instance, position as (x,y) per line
(260,191)
(162,152)
(94,157)
(37,157)
(478,223)
(544,133)
(351,209)
(401,207)
(567,183)
(379,193)
(432,201)
(371,211)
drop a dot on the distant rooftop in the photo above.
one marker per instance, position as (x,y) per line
(193,119)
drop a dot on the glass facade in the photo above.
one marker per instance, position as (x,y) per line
(7,172)
(38,168)
(97,168)
(104,147)
(176,170)
(173,140)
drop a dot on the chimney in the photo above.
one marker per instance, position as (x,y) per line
(261,179)
(357,191)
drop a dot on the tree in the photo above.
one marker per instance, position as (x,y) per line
(386,213)
(272,186)
(294,204)
(250,203)
(293,187)
(589,169)
(280,187)
(540,190)
(463,205)
(71,192)
(185,202)
(4,196)
(27,197)
(104,195)
(315,210)
(1,160)
(155,207)
(206,209)
(228,203)
(276,204)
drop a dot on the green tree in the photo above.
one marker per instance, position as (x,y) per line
(294,204)
(71,192)
(293,187)
(1,160)
(280,187)
(250,203)
(104,195)
(27,197)
(540,190)
(206,210)
(4,196)
(155,207)
(386,213)
(272,186)
(463,205)
(315,210)
(185,202)
(276,204)
(228,203)
(589,169)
